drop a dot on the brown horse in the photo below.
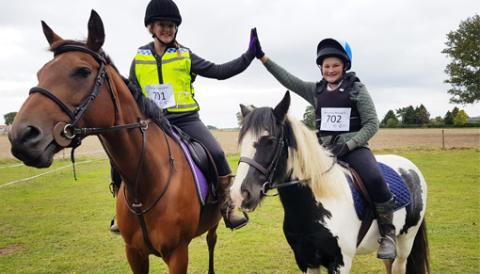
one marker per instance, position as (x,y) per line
(81,93)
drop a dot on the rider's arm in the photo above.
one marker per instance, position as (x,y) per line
(223,71)
(305,89)
(368,117)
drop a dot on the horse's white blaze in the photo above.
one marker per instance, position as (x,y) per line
(246,150)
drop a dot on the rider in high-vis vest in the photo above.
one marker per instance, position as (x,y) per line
(164,70)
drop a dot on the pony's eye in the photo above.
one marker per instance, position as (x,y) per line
(268,141)
(83,72)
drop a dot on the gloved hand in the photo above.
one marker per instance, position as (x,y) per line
(254,47)
(258,48)
(340,150)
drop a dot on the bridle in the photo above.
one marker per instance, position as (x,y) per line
(70,134)
(270,171)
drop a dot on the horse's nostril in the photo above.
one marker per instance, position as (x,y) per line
(246,195)
(29,134)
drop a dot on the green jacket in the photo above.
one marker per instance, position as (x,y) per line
(307,90)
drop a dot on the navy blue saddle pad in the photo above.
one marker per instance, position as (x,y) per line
(396,184)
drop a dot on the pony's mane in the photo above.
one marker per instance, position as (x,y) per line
(259,120)
(146,105)
(310,161)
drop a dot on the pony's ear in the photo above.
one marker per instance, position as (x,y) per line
(281,109)
(51,36)
(96,32)
(245,110)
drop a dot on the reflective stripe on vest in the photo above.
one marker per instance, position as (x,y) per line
(175,67)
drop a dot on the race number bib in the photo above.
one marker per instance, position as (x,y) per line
(335,119)
(162,95)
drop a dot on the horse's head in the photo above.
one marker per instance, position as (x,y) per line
(263,143)
(65,95)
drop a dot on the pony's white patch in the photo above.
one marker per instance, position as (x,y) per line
(246,150)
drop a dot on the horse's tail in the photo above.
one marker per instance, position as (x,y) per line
(418,260)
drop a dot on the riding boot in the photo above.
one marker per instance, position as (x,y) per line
(231,220)
(114,187)
(387,248)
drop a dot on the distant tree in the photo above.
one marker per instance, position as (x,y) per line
(455,111)
(463,46)
(407,115)
(309,117)
(212,127)
(422,116)
(437,122)
(390,120)
(448,120)
(460,119)
(9,117)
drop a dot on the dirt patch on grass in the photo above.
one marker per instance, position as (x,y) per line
(10,249)
(384,139)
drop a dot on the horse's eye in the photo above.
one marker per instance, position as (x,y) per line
(268,141)
(83,72)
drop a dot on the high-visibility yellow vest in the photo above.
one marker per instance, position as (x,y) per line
(176,64)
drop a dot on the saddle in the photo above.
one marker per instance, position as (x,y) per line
(203,160)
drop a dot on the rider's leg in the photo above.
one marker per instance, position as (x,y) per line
(363,161)
(197,130)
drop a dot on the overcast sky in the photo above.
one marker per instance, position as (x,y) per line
(396,46)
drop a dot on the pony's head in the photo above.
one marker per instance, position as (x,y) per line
(274,148)
(68,91)
(262,143)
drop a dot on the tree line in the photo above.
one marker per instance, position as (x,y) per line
(420,117)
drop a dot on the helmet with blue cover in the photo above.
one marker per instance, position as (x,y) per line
(330,47)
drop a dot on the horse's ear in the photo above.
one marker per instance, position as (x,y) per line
(245,110)
(281,109)
(96,32)
(51,36)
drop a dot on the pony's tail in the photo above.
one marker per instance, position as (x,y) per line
(418,260)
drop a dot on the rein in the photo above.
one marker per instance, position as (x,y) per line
(70,135)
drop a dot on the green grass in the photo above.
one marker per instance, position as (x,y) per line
(53,224)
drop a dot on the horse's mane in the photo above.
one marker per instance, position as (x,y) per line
(146,105)
(310,161)
(307,159)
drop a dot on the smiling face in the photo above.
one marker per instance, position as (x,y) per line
(164,31)
(332,69)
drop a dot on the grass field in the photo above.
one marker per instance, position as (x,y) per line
(53,224)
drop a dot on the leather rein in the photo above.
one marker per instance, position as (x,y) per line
(70,134)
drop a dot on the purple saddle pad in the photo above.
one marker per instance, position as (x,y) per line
(200,180)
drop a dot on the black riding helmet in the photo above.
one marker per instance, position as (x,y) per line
(332,48)
(162,10)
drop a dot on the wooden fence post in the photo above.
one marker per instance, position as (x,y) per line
(443,139)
